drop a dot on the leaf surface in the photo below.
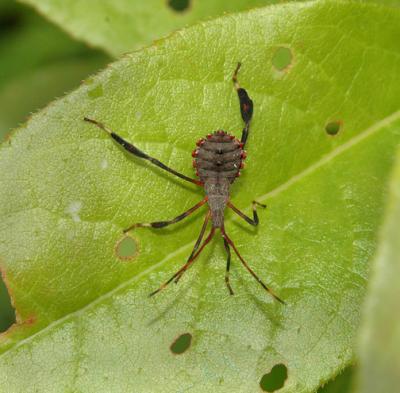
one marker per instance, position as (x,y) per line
(86,321)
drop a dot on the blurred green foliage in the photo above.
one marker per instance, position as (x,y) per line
(380,334)
(38,63)
(121,26)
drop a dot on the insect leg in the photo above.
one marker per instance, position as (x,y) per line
(135,151)
(198,241)
(253,221)
(228,265)
(225,236)
(162,224)
(195,253)
(246,105)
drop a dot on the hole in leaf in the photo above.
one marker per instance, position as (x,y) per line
(179,5)
(126,248)
(282,58)
(7,312)
(181,344)
(333,127)
(275,379)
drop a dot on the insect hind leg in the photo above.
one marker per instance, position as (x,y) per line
(195,253)
(228,264)
(255,221)
(249,269)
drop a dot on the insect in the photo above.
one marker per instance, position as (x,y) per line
(218,159)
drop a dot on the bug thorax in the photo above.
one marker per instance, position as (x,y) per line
(218,156)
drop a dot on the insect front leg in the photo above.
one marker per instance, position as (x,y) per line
(138,153)
(255,219)
(246,105)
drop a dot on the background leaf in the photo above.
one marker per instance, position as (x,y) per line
(380,343)
(67,192)
(123,25)
(38,63)
(36,88)
(120,26)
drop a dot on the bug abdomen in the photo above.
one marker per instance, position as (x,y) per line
(218,156)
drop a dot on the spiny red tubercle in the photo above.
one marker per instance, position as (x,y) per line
(240,144)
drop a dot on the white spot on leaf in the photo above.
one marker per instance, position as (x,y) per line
(104,164)
(73,210)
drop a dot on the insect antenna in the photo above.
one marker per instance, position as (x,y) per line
(249,269)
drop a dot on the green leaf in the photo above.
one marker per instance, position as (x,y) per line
(86,321)
(123,25)
(380,335)
(31,43)
(36,88)
(389,3)
(38,63)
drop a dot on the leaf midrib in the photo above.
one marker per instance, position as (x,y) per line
(379,125)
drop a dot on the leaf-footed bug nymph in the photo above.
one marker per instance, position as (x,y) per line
(217,159)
